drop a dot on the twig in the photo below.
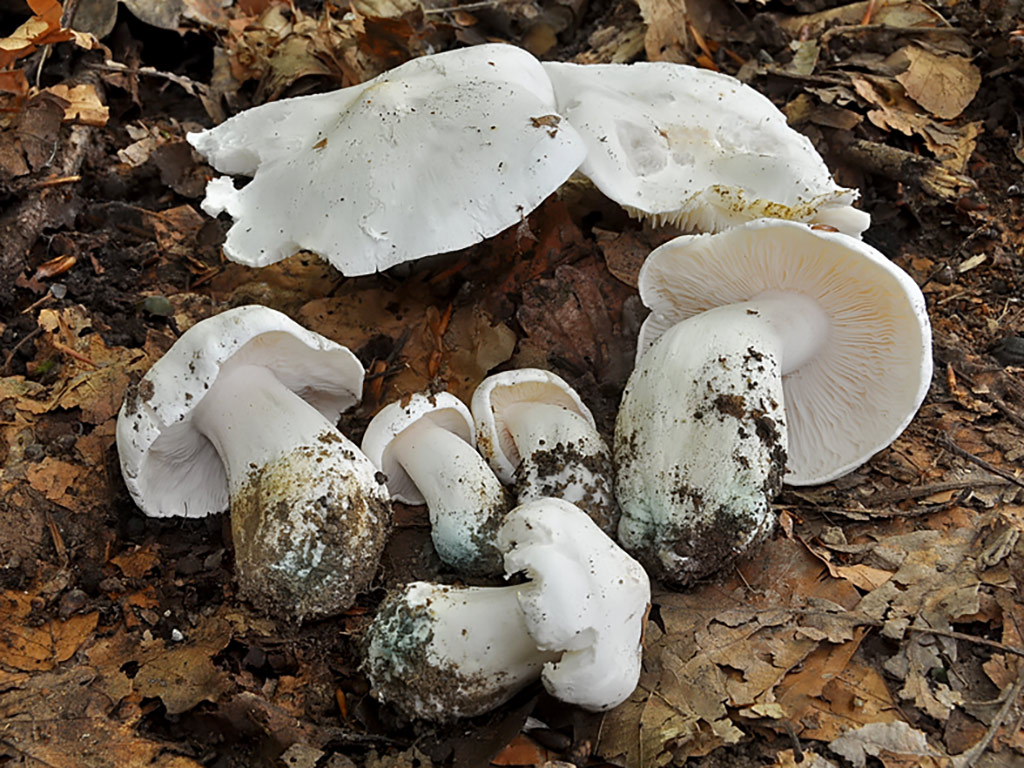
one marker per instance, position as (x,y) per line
(971,757)
(467,7)
(191,86)
(968,638)
(947,442)
(13,351)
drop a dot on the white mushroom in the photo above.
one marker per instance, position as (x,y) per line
(772,348)
(440,652)
(425,446)
(536,432)
(240,412)
(696,149)
(434,155)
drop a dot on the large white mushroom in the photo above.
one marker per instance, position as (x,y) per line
(424,444)
(775,352)
(441,652)
(538,435)
(240,412)
(432,156)
(696,149)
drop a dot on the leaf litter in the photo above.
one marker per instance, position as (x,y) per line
(882,623)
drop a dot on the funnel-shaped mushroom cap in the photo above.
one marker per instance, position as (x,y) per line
(696,149)
(586,597)
(432,156)
(170,468)
(862,388)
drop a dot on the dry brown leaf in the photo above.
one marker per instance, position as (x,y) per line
(62,719)
(42,29)
(951,145)
(942,84)
(476,344)
(92,377)
(731,645)
(84,104)
(137,562)
(36,647)
(66,483)
(905,14)
(175,229)
(886,740)
(574,321)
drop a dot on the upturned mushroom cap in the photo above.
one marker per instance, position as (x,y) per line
(516,387)
(170,468)
(586,598)
(696,149)
(859,392)
(434,155)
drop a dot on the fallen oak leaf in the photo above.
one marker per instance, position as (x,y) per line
(942,84)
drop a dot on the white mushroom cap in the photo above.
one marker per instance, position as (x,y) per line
(586,597)
(432,156)
(696,149)
(870,375)
(170,468)
(442,409)
(516,387)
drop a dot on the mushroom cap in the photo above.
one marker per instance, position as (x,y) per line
(871,375)
(515,387)
(586,597)
(432,156)
(696,149)
(170,468)
(443,409)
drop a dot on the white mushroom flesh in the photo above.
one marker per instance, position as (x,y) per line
(696,149)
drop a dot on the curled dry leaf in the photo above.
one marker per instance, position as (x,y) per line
(944,84)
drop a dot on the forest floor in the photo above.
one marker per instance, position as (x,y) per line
(882,624)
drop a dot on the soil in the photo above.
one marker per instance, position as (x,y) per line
(119,250)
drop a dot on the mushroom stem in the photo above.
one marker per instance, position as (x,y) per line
(442,652)
(292,476)
(700,440)
(465,499)
(563,457)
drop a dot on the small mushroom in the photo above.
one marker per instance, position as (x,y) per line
(432,156)
(696,149)
(240,412)
(425,446)
(775,353)
(536,433)
(441,652)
